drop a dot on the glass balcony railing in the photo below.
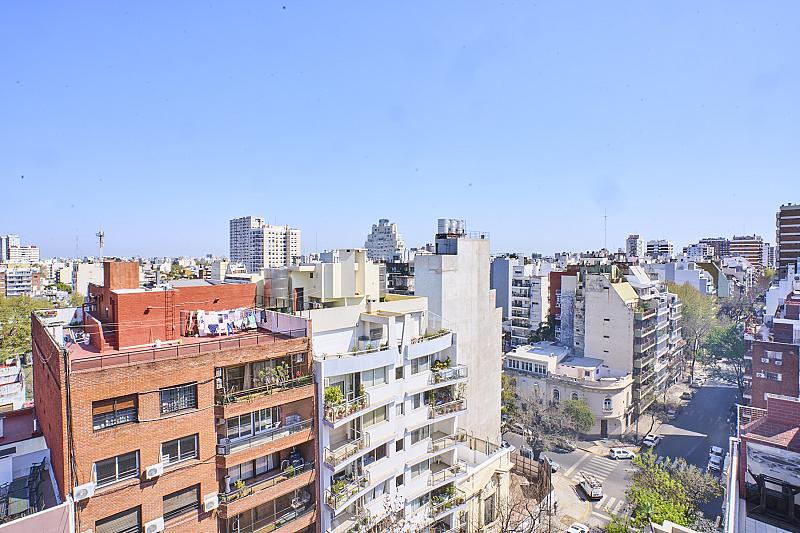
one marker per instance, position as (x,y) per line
(447,473)
(448,374)
(435,411)
(333,457)
(251,487)
(341,491)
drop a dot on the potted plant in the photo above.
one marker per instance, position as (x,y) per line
(289,471)
(332,396)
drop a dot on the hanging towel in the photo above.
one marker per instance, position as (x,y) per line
(201,323)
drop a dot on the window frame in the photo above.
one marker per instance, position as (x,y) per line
(115,413)
(176,401)
(132,474)
(186,509)
(181,459)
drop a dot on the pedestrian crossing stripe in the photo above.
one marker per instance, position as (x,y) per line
(601,515)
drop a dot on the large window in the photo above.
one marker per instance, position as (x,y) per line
(252,423)
(419,468)
(181,502)
(420,364)
(113,412)
(179,398)
(374,417)
(488,509)
(370,378)
(129,521)
(420,433)
(250,469)
(175,451)
(125,466)
(607,404)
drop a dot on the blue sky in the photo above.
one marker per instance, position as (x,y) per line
(161,122)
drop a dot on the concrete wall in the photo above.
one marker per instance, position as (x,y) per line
(608,324)
(500,280)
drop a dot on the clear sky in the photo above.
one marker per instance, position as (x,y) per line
(159,121)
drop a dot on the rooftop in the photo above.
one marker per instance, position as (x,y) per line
(582,362)
(18,426)
(542,349)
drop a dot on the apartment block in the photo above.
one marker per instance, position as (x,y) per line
(635,246)
(751,247)
(720,245)
(660,249)
(684,272)
(20,281)
(530,303)
(258,245)
(184,409)
(787,237)
(385,243)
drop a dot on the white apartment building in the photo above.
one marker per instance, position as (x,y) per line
(682,272)
(530,303)
(660,249)
(548,373)
(385,243)
(634,246)
(85,273)
(258,245)
(396,450)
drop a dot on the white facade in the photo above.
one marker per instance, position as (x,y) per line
(634,246)
(385,243)
(660,249)
(258,245)
(85,273)
(683,272)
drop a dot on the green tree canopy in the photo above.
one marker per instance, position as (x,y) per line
(63,287)
(579,415)
(15,323)
(725,352)
(698,318)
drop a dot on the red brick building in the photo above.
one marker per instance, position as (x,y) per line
(186,409)
(775,353)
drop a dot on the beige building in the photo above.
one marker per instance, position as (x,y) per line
(548,373)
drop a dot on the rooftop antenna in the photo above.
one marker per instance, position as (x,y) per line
(101,237)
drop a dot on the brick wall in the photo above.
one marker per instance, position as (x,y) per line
(789,369)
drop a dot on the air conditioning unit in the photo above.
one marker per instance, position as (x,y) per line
(210,502)
(760,375)
(154,526)
(778,362)
(224,447)
(765,359)
(219,421)
(153,471)
(82,492)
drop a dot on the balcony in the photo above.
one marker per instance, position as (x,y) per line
(279,522)
(644,314)
(333,457)
(226,447)
(442,441)
(445,409)
(429,344)
(446,375)
(644,332)
(252,493)
(445,501)
(443,473)
(340,411)
(343,490)
(642,348)
(266,390)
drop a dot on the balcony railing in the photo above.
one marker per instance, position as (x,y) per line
(448,473)
(275,520)
(642,348)
(447,374)
(247,394)
(430,336)
(443,503)
(644,332)
(455,406)
(447,441)
(644,314)
(339,493)
(354,352)
(334,457)
(342,410)
(266,483)
(226,447)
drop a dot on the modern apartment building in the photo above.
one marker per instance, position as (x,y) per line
(385,243)
(530,303)
(501,274)
(258,245)
(660,249)
(12,251)
(7,242)
(774,351)
(180,409)
(751,247)
(721,246)
(634,246)
(682,272)
(20,281)
(787,237)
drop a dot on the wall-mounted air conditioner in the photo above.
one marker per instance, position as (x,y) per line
(82,492)
(210,502)
(154,526)
(153,471)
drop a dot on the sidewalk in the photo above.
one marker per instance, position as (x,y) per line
(571,507)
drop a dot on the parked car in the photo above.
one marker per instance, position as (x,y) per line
(714,464)
(696,383)
(520,429)
(716,451)
(620,453)
(563,446)
(688,395)
(526,452)
(577,527)
(672,414)
(651,441)
(554,466)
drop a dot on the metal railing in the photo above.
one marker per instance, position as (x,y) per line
(430,336)
(447,503)
(336,497)
(147,355)
(447,408)
(334,457)
(232,397)
(447,441)
(353,353)
(266,483)
(227,447)
(447,374)
(339,411)
(448,473)
(274,520)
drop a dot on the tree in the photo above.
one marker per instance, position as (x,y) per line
(725,352)
(579,415)
(618,525)
(63,287)
(15,323)
(698,318)
(75,299)
(655,495)
(508,396)
(700,487)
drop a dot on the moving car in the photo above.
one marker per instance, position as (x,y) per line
(672,414)
(714,464)
(620,453)
(651,441)
(577,527)
(591,486)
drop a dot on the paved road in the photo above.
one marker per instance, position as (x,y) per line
(701,424)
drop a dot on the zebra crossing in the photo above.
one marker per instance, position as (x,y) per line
(599,467)
(609,506)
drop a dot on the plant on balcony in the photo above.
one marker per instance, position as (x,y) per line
(241,489)
(332,396)
(438,365)
(282,374)
(265,376)
(289,471)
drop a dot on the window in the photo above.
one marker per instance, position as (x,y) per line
(556,395)
(574,395)
(181,502)
(175,451)
(374,417)
(370,378)
(419,468)
(399,444)
(416,503)
(399,409)
(540,368)
(125,466)
(398,372)
(129,521)
(399,480)
(420,364)
(606,337)
(114,412)
(607,404)
(420,433)
(488,509)
(774,376)
(416,401)
(179,398)
(773,355)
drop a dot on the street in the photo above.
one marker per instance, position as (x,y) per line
(699,425)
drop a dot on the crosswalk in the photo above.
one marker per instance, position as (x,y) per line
(599,467)
(609,506)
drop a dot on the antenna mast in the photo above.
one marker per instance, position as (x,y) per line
(605,229)
(101,237)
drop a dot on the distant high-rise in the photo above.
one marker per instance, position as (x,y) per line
(634,246)
(721,245)
(12,251)
(751,247)
(258,245)
(660,248)
(384,243)
(787,236)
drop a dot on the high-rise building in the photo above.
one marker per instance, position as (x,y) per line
(12,251)
(183,408)
(660,249)
(385,243)
(258,245)
(634,246)
(769,256)
(20,281)
(787,237)
(721,246)
(751,247)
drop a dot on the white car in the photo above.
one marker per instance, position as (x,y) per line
(651,441)
(619,453)
(714,464)
(577,527)
(716,451)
